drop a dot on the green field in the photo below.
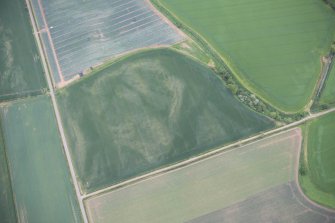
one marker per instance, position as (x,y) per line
(328,93)
(146,111)
(257,171)
(274,47)
(319,181)
(7,211)
(21,72)
(39,173)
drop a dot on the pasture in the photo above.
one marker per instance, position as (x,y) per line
(146,111)
(328,93)
(243,179)
(86,33)
(39,173)
(21,71)
(319,180)
(7,210)
(274,47)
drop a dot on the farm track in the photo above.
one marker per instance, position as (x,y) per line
(58,117)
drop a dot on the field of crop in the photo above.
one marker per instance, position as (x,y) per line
(7,211)
(21,72)
(319,180)
(274,47)
(277,204)
(257,179)
(328,93)
(86,33)
(148,110)
(39,173)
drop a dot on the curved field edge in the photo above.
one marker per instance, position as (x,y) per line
(125,26)
(224,70)
(141,100)
(241,81)
(21,72)
(316,170)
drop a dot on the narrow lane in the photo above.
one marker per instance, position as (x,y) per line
(57,114)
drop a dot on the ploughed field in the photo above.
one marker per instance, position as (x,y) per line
(318,179)
(39,174)
(21,72)
(86,33)
(274,47)
(253,183)
(149,110)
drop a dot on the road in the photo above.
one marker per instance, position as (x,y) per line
(57,114)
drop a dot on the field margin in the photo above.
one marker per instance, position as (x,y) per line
(228,74)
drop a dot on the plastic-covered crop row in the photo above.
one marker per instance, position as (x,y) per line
(83,35)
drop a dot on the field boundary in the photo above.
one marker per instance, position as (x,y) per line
(207,155)
(58,119)
(245,83)
(115,59)
(46,28)
(54,57)
(300,192)
(19,95)
(230,77)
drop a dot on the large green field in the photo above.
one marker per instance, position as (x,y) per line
(21,72)
(328,93)
(146,111)
(7,210)
(250,184)
(39,173)
(319,179)
(274,46)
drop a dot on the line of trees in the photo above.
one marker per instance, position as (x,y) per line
(220,68)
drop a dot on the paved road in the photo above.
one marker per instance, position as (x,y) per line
(58,117)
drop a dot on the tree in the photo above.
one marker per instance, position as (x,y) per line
(233,88)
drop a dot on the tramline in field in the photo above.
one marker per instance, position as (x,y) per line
(78,36)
